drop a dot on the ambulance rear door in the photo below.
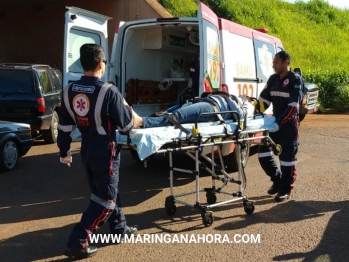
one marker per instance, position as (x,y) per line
(264,47)
(81,27)
(210,59)
(238,56)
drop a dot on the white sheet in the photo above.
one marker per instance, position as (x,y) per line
(150,140)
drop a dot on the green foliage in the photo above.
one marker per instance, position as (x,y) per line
(315,34)
(334,89)
(180,8)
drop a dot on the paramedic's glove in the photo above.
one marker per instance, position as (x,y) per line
(190,83)
(67,160)
(274,128)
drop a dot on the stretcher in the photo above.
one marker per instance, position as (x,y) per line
(203,141)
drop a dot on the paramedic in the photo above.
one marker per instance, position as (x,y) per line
(97,109)
(189,113)
(284,90)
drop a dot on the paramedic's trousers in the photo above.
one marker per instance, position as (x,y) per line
(102,170)
(183,115)
(284,177)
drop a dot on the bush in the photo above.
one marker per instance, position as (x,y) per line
(334,89)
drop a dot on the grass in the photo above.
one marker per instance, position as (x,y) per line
(315,34)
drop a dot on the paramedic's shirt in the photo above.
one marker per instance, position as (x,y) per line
(286,96)
(96,109)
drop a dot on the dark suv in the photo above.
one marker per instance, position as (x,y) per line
(31,94)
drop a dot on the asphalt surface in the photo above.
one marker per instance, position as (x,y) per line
(42,199)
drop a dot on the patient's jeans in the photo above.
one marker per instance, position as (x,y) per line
(183,115)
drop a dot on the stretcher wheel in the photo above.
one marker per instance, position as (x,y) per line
(171,210)
(211,198)
(207,218)
(249,208)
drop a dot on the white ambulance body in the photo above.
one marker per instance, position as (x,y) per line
(151,59)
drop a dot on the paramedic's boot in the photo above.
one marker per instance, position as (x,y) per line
(283,194)
(129,231)
(80,253)
(273,189)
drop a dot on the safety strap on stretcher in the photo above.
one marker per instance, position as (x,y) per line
(178,125)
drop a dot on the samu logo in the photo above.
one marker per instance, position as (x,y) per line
(81,104)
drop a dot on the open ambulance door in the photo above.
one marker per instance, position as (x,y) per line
(210,64)
(116,56)
(81,27)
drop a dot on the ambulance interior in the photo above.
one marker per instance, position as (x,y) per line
(156,63)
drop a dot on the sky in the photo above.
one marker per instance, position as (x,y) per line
(343,4)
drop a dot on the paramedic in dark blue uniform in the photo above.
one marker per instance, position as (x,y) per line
(284,90)
(97,109)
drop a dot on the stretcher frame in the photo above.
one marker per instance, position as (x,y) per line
(193,146)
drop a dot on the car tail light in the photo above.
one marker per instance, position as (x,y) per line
(41,104)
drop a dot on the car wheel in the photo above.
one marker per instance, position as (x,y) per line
(50,136)
(8,155)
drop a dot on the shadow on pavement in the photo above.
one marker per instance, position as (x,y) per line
(335,241)
(334,245)
(41,187)
(36,245)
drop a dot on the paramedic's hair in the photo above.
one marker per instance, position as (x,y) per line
(90,56)
(284,55)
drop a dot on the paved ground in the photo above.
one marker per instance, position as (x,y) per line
(41,201)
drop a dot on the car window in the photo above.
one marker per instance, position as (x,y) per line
(16,81)
(56,78)
(45,82)
(76,39)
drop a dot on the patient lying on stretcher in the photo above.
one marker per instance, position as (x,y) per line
(189,113)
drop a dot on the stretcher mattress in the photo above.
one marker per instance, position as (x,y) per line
(149,140)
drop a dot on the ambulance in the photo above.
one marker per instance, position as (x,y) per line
(151,59)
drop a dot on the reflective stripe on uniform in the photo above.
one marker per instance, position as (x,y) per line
(286,163)
(294,104)
(68,128)
(278,93)
(66,102)
(102,202)
(264,100)
(126,127)
(265,154)
(98,109)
